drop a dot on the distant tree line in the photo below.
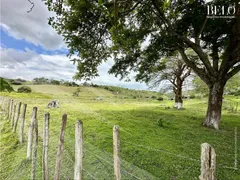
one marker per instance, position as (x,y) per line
(43,80)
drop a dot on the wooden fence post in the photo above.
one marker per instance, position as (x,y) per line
(2,98)
(236,151)
(116,153)
(45,147)
(30,132)
(17,117)
(60,148)
(208,162)
(34,149)
(13,116)
(22,121)
(10,110)
(78,150)
(3,104)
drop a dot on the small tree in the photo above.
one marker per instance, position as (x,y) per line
(176,72)
(5,86)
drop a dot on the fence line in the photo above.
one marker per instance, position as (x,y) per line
(208,155)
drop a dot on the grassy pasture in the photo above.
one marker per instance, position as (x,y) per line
(148,151)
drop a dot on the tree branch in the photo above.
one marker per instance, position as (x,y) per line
(172,81)
(215,57)
(203,56)
(234,71)
(188,73)
(201,30)
(197,48)
(199,71)
(31,7)
(130,10)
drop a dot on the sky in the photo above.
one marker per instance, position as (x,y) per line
(30,48)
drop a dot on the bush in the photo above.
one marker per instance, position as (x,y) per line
(55,82)
(192,96)
(24,89)
(237,93)
(16,83)
(154,97)
(94,85)
(160,99)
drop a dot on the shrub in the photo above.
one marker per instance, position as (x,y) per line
(16,83)
(192,96)
(94,85)
(24,89)
(160,99)
(55,82)
(154,97)
(237,93)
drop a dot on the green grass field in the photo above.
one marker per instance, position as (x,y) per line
(148,151)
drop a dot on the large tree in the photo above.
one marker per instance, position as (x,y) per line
(137,33)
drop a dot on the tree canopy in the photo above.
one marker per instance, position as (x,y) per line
(5,86)
(137,33)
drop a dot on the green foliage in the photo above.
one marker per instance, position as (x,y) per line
(192,96)
(5,86)
(15,82)
(160,99)
(68,83)
(233,85)
(41,80)
(129,25)
(55,82)
(236,93)
(131,93)
(24,89)
(199,86)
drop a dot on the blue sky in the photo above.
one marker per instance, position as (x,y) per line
(31,48)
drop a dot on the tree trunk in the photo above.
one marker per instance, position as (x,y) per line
(213,115)
(178,95)
(176,101)
(179,98)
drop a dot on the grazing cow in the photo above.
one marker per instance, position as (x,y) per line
(53,104)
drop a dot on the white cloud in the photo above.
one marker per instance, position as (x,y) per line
(28,65)
(32,27)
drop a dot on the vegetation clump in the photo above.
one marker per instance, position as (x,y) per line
(5,86)
(24,89)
